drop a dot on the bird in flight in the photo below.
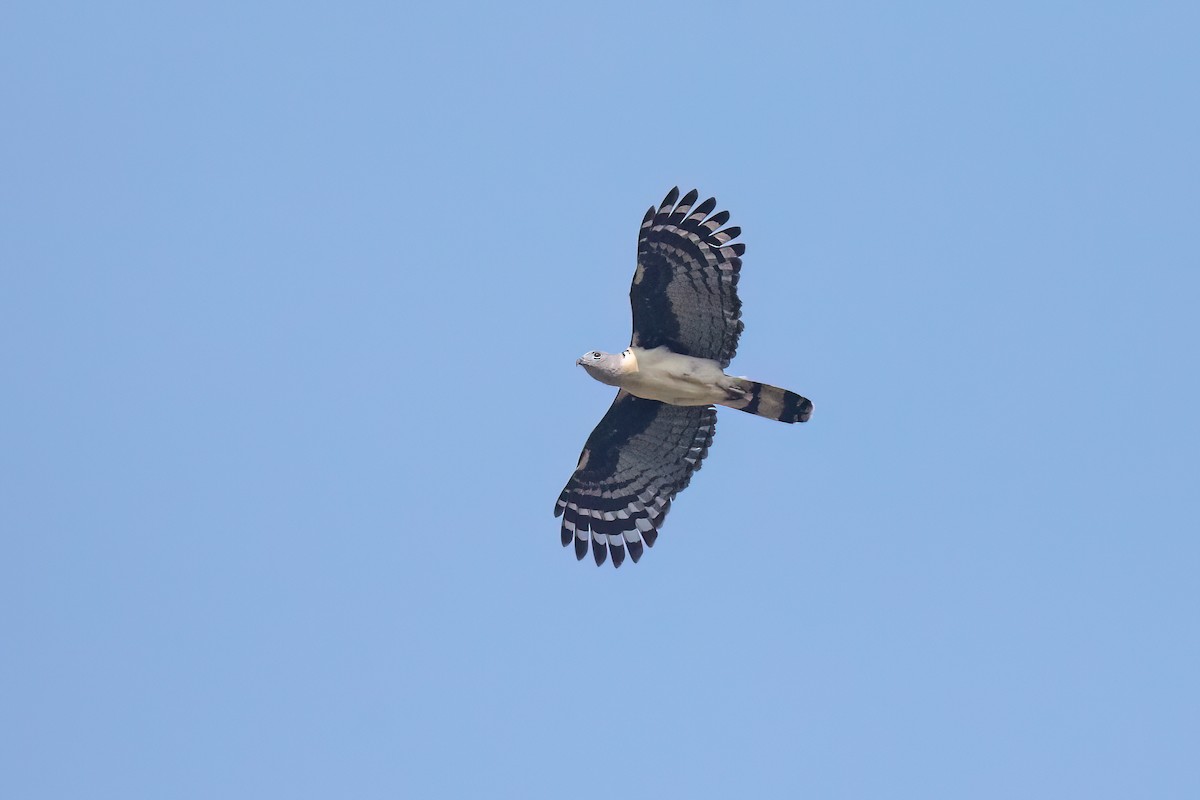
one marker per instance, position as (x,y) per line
(686,324)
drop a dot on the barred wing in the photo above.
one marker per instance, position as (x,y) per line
(684,292)
(637,459)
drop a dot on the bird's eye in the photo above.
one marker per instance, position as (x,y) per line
(596,354)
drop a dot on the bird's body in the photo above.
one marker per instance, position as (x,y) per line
(667,377)
(686,325)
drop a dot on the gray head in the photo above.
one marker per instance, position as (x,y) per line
(605,367)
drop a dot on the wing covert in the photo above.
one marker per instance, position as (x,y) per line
(637,459)
(684,292)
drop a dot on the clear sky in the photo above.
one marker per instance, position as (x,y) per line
(290,299)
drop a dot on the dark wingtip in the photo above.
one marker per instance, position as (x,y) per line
(599,550)
(689,198)
(635,551)
(581,548)
(671,197)
(618,555)
(567,536)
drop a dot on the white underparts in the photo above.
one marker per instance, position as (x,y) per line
(680,380)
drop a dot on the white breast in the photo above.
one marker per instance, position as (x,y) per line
(668,377)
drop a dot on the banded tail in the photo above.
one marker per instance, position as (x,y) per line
(769,401)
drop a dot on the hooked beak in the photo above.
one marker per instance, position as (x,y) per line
(579,362)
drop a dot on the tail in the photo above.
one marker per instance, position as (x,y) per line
(769,401)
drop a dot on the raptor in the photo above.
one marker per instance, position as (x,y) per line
(686,322)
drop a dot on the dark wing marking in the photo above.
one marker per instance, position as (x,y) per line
(637,459)
(684,292)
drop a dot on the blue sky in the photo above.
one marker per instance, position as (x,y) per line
(290,299)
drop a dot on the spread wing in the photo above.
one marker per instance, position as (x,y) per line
(684,292)
(641,454)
